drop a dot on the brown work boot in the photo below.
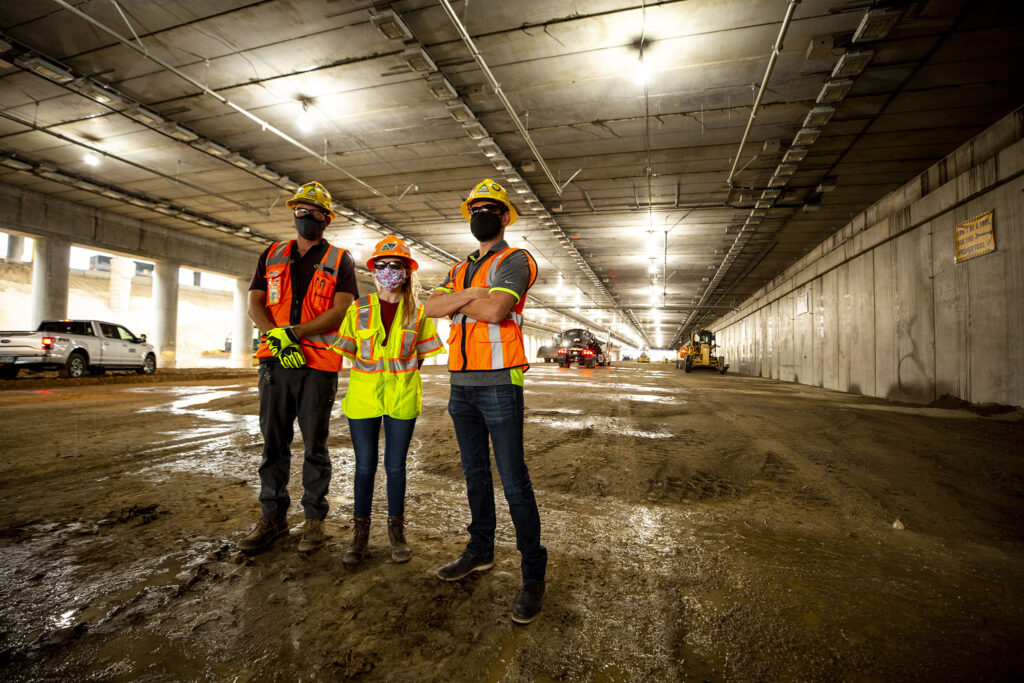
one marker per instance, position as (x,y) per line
(312,535)
(361,534)
(396,534)
(266,531)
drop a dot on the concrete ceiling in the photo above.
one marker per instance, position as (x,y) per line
(640,228)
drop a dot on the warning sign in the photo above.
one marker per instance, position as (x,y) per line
(975,238)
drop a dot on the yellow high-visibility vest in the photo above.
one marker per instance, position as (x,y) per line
(385,380)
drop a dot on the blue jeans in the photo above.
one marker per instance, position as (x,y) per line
(497,412)
(365,438)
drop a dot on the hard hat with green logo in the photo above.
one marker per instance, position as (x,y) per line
(488,189)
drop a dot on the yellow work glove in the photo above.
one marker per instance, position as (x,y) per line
(284,345)
(292,358)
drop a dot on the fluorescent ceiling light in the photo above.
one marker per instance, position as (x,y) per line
(777,181)
(826,185)
(474,130)
(45,68)
(818,117)
(391,25)
(488,147)
(267,174)
(53,174)
(785,170)
(460,112)
(418,59)
(113,194)
(441,88)
(501,164)
(91,159)
(770,194)
(833,91)
(806,136)
(794,155)
(86,185)
(16,164)
(345,211)
(852,63)
(145,115)
(181,133)
(875,25)
(213,148)
(763,204)
(97,92)
(241,161)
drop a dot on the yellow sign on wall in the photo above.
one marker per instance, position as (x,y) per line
(975,237)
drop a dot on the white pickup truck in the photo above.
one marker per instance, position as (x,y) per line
(74,347)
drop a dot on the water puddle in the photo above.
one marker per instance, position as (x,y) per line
(607,425)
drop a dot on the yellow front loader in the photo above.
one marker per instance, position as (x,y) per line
(699,353)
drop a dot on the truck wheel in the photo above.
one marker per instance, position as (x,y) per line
(688,364)
(9,372)
(74,367)
(148,366)
(721,365)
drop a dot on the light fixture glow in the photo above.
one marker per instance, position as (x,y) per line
(391,25)
(833,91)
(641,72)
(418,59)
(91,159)
(852,63)
(875,25)
(304,121)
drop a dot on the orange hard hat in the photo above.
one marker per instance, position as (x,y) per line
(392,246)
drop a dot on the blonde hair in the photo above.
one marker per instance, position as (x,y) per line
(410,300)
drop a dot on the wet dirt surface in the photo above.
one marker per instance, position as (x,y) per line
(699,527)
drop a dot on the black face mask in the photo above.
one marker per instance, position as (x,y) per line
(485,226)
(309,227)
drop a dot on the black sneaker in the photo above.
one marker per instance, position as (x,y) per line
(263,535)
(529,603)
(464,565)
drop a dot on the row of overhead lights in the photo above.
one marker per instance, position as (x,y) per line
(391,25)
(874,25)
(117,101)
(167,209)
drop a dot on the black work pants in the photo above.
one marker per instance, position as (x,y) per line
(285,395)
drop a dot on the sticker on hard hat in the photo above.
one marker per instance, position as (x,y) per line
(483,190)
(390,246)
(496,188)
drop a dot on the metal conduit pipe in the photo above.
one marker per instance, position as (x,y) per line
(764,85)
(738,243)
(499,92)
(223,100)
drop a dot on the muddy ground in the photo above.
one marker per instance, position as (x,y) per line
(699,527)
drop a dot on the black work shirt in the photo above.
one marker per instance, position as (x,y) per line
(301,274)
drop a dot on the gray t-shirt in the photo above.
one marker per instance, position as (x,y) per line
(512,276)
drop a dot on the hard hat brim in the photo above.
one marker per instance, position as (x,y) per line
(512,213)
(292,202)
(412,262)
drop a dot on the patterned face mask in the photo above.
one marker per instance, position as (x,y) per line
(389,279)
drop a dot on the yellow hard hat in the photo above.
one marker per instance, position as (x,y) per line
(488,189)
(313,193)
(392,246)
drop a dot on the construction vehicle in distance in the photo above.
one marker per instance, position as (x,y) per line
(699,353)
(581,346)
(644,358)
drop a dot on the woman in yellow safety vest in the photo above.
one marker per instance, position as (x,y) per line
(386,337)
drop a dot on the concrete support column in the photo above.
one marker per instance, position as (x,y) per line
(241,330)
(119,294)
(51,276)
(165,312)
(15,248)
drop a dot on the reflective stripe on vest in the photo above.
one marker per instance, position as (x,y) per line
(319,298)
(384,384)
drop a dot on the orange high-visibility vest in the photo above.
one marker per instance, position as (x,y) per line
(477,345)
(319,299)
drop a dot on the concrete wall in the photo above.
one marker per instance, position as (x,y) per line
(37,215)
(888,311)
